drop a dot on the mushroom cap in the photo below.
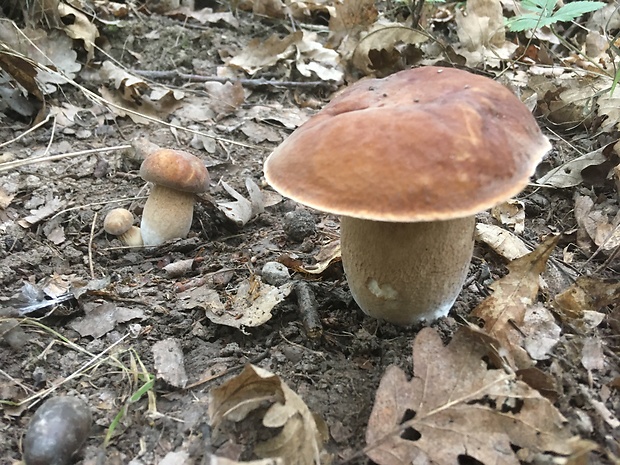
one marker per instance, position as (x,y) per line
(118,221)
(423,144)
(176,170)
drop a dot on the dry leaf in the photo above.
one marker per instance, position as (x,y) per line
(511,213)
(569,174)
(587,295)
(482,25)
(329,253)
(5,199)
(242,210)
(481,32)
(205,16)
(314,59)
(387,38)
(300,439)
(52,205)
(503,312)
(592,356)
(169,362)
(78,26)
(505,243)
(594,223)
(224,99)
(455,409)
(259,54)
(51,49)
(135,94)
(250,306)
(541,332)
(103,318)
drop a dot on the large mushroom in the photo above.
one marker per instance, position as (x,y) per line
(407,161)
(176,177)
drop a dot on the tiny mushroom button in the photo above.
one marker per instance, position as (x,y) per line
(119,222)
(177,177)
(407,161)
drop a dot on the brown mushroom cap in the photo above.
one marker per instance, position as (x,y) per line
(118,221)
(420,145)
(176,170)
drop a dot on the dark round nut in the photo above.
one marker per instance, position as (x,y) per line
(57,431)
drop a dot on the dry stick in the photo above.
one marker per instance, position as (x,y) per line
(28,131)
(44,393)
(249,83)
(309,310)
(206,379)
(17,163)
(90,247)
(107,202)
(99,99)
(49,144)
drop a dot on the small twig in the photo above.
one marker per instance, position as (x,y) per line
(107,202)
(206,379)
(90,247)
(249,83)
(309,310)
(25,133)
(49,144)
(29,161)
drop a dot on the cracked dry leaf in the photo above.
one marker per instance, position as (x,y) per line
(251,305)
(77,26)
(391,40)
(300,438)
(135,95)
(481,33)
(259,54)
(456,408)
(511,213)
(586,296)
(593,222)
(504,311)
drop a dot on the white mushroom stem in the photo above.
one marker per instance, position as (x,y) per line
(167,215)
(132,238)
(406,272)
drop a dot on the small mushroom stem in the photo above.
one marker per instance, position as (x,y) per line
(167,215)
(406,272)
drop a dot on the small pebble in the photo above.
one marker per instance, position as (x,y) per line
(57,431)
(275,273)
(299,224)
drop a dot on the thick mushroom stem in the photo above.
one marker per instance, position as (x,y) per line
(167,215)
(406,272)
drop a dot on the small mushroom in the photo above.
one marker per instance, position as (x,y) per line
(119,222)
(407,161)
(57,431)
(176,177)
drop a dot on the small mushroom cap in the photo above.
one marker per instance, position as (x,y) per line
(420,145)
(118,221)
(176,170)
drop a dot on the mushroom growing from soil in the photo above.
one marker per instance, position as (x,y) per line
(407,162)
(177,177)
(119,222)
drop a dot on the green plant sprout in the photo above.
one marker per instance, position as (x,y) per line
(140,374)
(540,13)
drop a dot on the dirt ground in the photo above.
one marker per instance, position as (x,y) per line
(336,371)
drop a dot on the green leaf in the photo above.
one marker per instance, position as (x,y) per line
(526,22)
(573,10)
(543,7)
